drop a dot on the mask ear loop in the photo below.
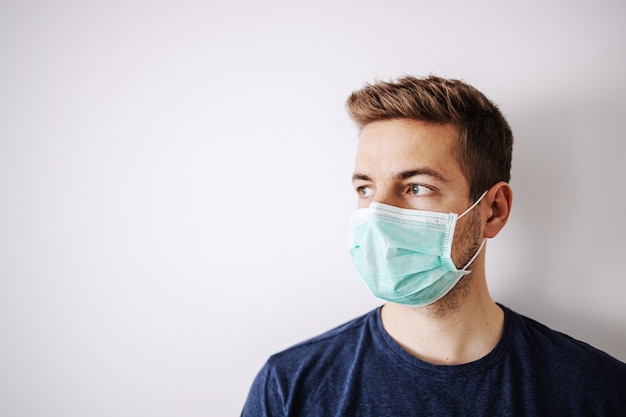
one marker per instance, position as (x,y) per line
(484,240)
(475,255)
(473,205)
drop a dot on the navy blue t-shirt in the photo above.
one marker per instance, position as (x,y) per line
(358,370)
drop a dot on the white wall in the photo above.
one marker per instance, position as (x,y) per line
(175,192)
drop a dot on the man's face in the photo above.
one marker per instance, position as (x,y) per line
(412,164)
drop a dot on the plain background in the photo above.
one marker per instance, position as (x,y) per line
(175,183)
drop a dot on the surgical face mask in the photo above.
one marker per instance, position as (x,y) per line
(404,256)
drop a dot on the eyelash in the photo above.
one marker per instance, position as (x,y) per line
(411,186)
(362,189)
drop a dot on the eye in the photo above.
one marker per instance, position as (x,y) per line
(419,189)
(365,191)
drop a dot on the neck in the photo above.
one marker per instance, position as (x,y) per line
(462,327)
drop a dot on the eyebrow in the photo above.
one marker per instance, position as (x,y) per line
(406,174)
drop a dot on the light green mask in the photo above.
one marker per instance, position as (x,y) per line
(404,256)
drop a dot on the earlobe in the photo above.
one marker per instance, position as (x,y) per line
(500,199)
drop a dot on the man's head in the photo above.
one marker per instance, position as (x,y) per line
(435,145)
(485,139)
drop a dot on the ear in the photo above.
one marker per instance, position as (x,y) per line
(500,199)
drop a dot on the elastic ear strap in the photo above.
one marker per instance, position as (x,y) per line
(473,205)
(475,255)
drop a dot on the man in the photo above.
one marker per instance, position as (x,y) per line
(431,177)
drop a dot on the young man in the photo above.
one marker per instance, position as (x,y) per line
(431,177)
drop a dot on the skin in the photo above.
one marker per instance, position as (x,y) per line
(412,164)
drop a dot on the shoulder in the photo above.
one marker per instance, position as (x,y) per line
(549,341)
(327,356)
(294,378)
(565,364)
(328,346)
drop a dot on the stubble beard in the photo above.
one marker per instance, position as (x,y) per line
(470,239)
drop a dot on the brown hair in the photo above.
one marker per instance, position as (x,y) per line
(485,138)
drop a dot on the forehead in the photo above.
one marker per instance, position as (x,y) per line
(391,146)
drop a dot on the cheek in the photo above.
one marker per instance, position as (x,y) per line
(467,238)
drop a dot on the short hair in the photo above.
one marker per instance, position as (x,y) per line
(485,138)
